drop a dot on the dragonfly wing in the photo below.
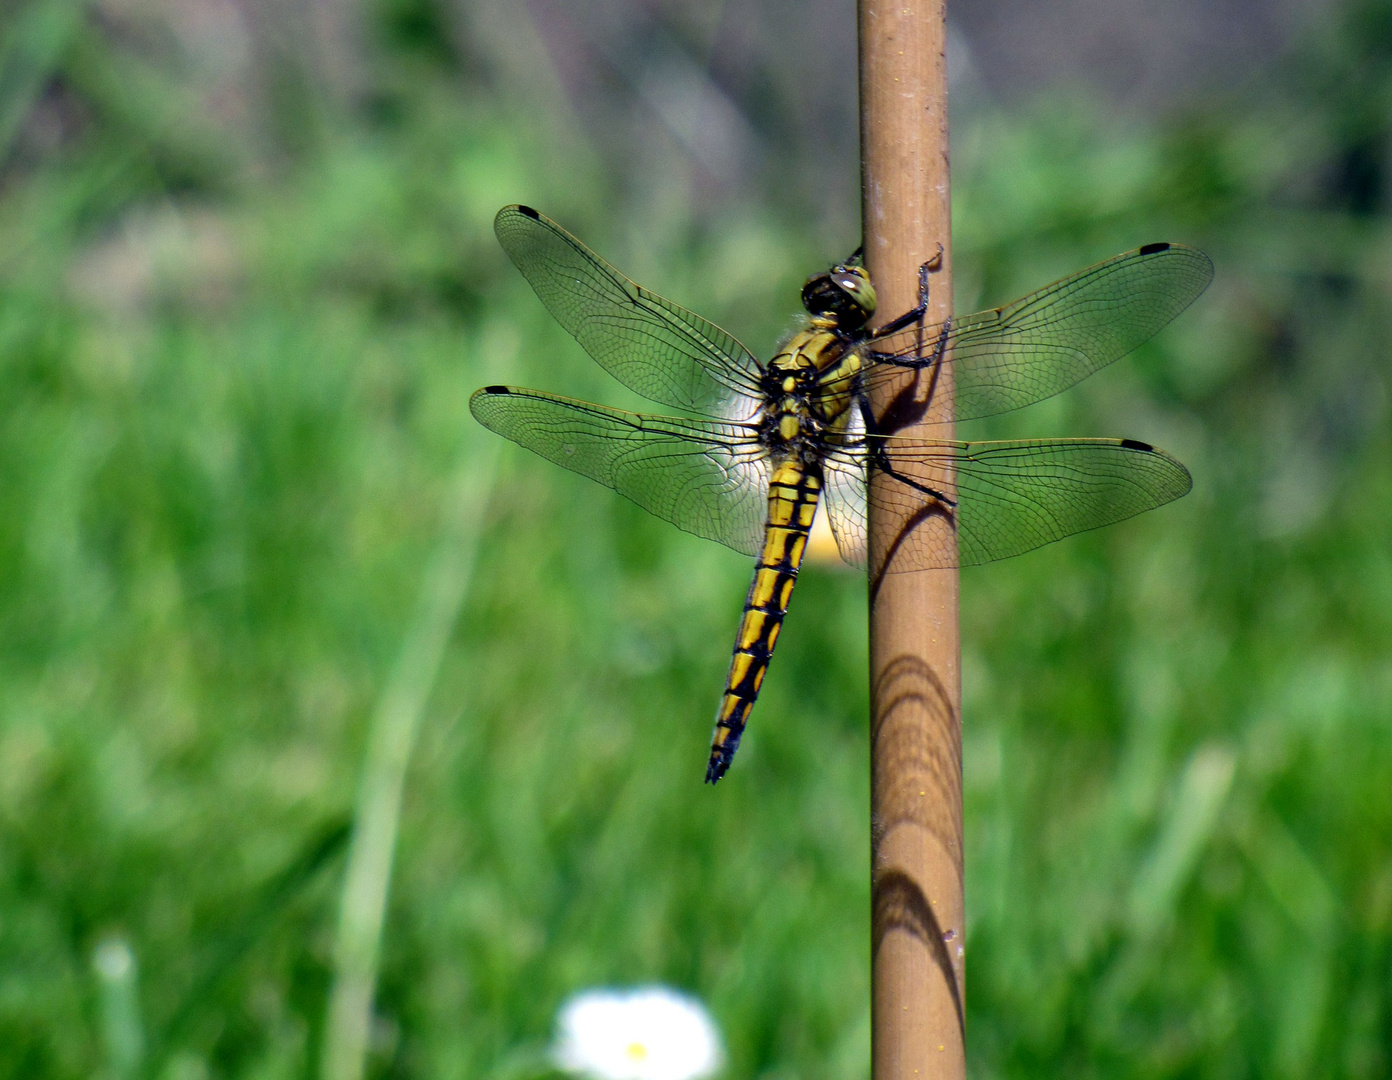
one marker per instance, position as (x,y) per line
(706,477)
(1012,497)
(1043,343)
(1016,496)
(661,350)
(843,493)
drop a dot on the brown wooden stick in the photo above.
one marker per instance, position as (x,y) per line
(916,745)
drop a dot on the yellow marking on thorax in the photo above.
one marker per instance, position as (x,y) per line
(833,401)
(813,348)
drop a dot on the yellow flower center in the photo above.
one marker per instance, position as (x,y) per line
(637,1051)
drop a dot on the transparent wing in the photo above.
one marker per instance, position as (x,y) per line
(843,492)
(1012,497)
(1043,343)
(706,477)
(661,350)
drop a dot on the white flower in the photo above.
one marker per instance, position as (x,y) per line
(651,1033)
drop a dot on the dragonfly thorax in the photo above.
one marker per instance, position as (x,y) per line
(806,389)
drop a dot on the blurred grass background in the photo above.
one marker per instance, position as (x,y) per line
(248,284)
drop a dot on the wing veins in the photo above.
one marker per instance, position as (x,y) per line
(656,347)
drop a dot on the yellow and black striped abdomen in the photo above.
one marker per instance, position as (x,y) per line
(793,494)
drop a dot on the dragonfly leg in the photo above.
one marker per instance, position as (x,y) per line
(916,314)
(939,347)
(933,493)
(895,325)
(932,362)
(880,458)
(932,266)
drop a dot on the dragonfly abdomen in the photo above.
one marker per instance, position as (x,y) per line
(793,493)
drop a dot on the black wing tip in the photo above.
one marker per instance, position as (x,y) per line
(1146,448)
(515,210)
(1192,253)
(496,390)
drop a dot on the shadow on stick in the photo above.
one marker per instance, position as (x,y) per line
(917,782)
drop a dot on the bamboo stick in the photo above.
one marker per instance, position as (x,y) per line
(917,959)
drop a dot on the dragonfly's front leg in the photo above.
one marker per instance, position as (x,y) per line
(919,362)
(910,404)
(920,309)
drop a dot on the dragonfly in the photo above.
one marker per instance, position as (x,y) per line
(770,441)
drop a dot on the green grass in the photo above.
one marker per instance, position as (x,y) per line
(230,414)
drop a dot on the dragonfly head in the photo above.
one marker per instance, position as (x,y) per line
(843,293)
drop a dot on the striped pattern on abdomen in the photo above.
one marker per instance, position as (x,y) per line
(793,493)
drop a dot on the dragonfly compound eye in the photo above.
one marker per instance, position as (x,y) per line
(855,282)
(845,294)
